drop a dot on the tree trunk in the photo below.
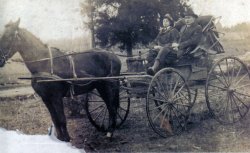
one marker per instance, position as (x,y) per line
(129,50)
(92,31)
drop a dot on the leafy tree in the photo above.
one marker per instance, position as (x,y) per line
(129,22)
(88,10)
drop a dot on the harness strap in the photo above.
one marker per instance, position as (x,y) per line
(51,61)
(111,68)
(72,66)
(42,75)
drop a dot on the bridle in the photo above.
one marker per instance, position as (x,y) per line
(4,57)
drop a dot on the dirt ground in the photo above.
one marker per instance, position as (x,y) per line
(28,114)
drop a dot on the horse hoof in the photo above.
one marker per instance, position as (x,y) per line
(65,139)
(109,135)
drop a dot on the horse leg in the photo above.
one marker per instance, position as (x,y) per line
(56,109)
(109,92)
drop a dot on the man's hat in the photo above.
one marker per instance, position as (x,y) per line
(190,13)
(167,16)
(170,19)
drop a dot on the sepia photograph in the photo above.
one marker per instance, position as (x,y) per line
(85,76)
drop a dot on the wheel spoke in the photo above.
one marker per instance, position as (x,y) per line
(104,116)
(179,111)
(240,100)
(218,78)
(227,100)
(181,104)
(159,82)
(163,118)
(96,108)
(157,99)
(179,97)
(158,107)
(218,87)
(214,93)
(121,108)
(242,94)
(98,115)
(179,90)
(121,118)
(176,114)
(240,79)
(159,113)
(219,101)
(228,72)
(238,72)
(238,108)
(159,93)
(175,86)
(223,75)
(231,109)
(232,71)
(243,86)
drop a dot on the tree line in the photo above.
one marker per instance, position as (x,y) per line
(126,23)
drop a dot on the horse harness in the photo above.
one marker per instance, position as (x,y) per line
(51,75)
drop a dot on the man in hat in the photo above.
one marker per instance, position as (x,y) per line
(167,35)
(189,37)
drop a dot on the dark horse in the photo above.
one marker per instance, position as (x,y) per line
(39,58)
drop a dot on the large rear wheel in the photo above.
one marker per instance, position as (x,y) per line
(168,102)
(228,90)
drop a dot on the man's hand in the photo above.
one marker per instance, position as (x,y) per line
(175,46)
(157,47)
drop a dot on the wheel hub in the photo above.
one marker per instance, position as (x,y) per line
(231,90)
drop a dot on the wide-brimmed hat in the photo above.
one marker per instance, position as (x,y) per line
(167,16)
(170,19)
(190,13)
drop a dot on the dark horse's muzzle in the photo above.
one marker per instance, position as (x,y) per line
(2,62)
(2,59)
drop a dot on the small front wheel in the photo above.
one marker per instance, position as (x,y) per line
(97,111)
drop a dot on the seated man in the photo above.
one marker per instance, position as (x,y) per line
(167,35)
(190,35)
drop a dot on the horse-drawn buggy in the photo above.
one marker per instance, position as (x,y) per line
(170,93)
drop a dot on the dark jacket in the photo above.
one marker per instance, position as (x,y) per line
(190,36)
(168,36)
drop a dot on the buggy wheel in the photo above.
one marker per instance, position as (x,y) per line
(168,102)
(97,111)
(228,90)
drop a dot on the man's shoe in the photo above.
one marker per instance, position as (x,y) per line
(150,71)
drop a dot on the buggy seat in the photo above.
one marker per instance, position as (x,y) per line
(209,43)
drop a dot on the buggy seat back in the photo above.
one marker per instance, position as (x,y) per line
(209,43)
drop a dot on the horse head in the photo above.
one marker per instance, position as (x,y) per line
(8,41)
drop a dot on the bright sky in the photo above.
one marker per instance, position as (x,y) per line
(52,19)
(48,19)
(231,11)
(15,142)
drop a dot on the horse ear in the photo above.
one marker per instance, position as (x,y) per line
(17,22)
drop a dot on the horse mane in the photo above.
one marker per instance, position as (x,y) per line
(32,38)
